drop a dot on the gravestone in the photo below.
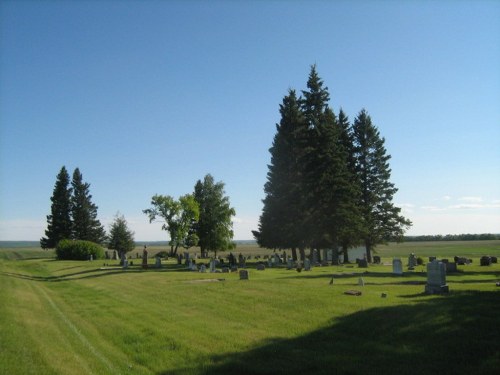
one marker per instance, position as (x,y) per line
(125,264)
(91,257)
(289,263)
(315,257)
(376,259)
(189,263)
(397,266)
(261,267)
(494,259)
(436,278)
(451,267)
(485,261)
(212,265)
(361,282)
(203,268)
(144,258)
(243,275)
(241,261)
(158,262)
(307,264)
(194,267)
(270,262)
(412,261)
(362,263)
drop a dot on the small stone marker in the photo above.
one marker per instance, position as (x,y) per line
(289,263)
(485,261)
(361,282)
(243,275)
(436,278)
(158,262)
(397,266)
(451,267)
(125,264)
(376,259)
(261,267)
(212,265)
(203,268)
(412,261)
(353,292)
(362,263)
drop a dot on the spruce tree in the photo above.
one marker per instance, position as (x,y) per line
(121,238)
(59,221)
(85,224)
(281,221)
(382,219)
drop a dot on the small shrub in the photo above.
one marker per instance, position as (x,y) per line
(420,261)
(78,250)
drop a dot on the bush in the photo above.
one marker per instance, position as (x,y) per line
(420,261)
(78,250)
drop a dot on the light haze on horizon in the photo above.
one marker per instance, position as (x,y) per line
(148,97)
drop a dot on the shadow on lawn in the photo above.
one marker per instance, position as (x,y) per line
(453,334)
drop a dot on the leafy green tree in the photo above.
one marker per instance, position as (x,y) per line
(59,220)
(281,221)
(178,217)
(215,226)
(382,219)
(85,224)
(121,238)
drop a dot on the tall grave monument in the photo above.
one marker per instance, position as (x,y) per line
(436,278)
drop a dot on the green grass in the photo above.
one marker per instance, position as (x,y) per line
(70,317)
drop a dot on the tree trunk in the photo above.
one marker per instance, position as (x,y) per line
(368,246)
(345,252)
(302,254)
(294,254)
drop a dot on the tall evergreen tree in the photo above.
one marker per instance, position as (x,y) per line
(85,226)
(381,217)
(121,238)
(215,227)
(280,224)
(59,220)
(352,233)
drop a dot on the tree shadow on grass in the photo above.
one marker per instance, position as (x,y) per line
(453,334)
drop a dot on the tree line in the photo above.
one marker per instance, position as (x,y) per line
(454,237)
(328,183)
(202,218)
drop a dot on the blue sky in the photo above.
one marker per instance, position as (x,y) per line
(148,97)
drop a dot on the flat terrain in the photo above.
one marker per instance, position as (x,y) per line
(70,317)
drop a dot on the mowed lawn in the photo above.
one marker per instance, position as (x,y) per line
(70,317)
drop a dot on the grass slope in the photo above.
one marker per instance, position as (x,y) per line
(69,317)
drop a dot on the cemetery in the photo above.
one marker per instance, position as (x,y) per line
(250,309)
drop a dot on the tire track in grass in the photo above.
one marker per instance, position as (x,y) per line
(78,334)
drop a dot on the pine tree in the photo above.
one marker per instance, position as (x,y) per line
(85,224)
(281,221)
(121,238)
(382,220)
(59,221)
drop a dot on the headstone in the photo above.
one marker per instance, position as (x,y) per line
(485,261)
(194,267)
(436,278)
(125,264)
(397,266)
(203,268)
(212,265)
(158,262)
(261,267)
(412,261)
(362,263)
(243,275)
(451,267)
(307,264)
(289,263)
(145,258)
(494,259)
(241,261)
(361,282)
(315,257)
(190,263)
(376,259)
(270,262)
(91,258)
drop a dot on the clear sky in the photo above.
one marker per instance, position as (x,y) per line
(147,97)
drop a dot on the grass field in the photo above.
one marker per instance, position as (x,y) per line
(70,317)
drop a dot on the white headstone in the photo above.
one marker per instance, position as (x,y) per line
(212,265)
(397,266)
(436,278)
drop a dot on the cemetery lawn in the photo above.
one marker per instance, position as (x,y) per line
(71,317)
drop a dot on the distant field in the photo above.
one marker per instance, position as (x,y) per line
(78,317)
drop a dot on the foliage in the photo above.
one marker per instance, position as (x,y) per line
(59,221)
(121,238)
(85,225)
(178,216)
(78,250)
(382,219)
(214,227)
